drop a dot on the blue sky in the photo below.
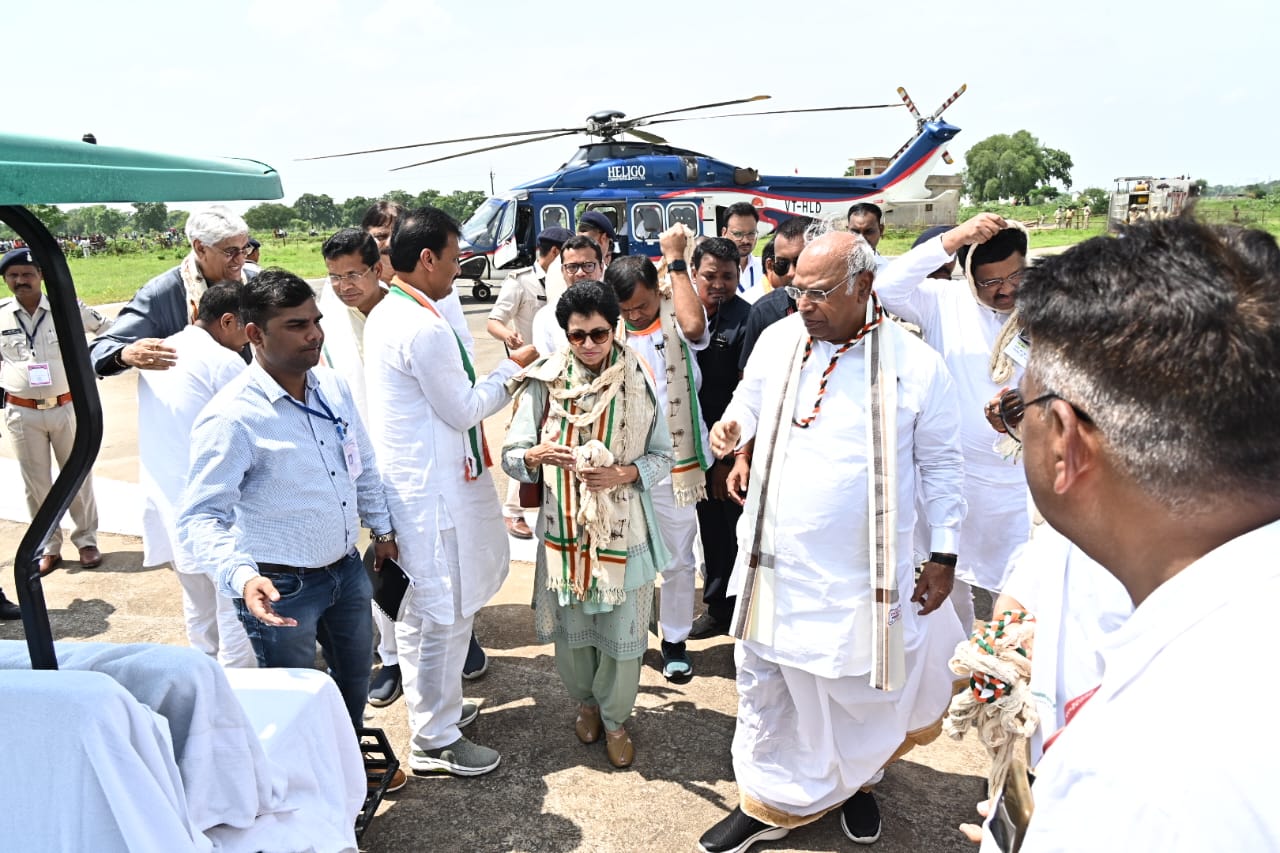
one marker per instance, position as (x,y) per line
(1125,88)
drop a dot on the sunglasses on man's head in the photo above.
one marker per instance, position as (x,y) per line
(598,336)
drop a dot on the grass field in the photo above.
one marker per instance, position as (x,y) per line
(115,278)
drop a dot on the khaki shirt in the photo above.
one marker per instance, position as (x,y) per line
(27,339)
(522,294)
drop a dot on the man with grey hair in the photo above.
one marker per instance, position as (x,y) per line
(167,304)
(837,674)
(1148,421)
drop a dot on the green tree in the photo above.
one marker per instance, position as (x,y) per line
(177,219)
(1098,200)
(1011,166)
(317,210)
(49,214)
(400,197)
(352,211)
(84,220)
(111,221)
(460,204)
(268,216)
(150,216)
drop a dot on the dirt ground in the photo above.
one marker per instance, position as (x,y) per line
(551,793)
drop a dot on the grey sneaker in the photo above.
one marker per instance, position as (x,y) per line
(461,758)
(470,710)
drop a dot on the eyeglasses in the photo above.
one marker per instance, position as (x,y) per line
(349,278)
(782,266)
(598,336)
(232,253)
(813,294)
(743,235)
(588,267)
(1013,409)
(1012,278)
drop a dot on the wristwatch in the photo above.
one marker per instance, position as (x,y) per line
(948,560)
(380,538)
(677,266)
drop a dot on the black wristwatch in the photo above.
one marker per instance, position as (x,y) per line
(677,266)
(948,560)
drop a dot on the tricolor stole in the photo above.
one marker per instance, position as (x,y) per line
(477,448)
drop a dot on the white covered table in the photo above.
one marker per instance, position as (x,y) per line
(265,760)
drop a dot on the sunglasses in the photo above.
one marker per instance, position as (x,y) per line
(598,336)
(782,266)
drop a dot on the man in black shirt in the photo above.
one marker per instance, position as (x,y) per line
(715,275)
(779,259)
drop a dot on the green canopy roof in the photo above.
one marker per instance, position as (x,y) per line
(37,170)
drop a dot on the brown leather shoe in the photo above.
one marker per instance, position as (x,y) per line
(588,726)
(90,558)
(618,745)
(518,528)
(48,563)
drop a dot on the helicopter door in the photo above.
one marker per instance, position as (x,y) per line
(508,247)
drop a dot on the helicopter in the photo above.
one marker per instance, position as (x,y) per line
(645,185)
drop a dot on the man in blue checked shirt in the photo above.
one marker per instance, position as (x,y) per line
(282,473)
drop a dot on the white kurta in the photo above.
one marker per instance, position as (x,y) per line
(821,543)
(964,331)
(811,730)
(168,403)
(752,281)
(421,404)
(343,348)
(1077,604)
(1173,752)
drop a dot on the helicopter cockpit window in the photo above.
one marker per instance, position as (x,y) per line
(481,230)
(554,216)
(685,213)
(646,221)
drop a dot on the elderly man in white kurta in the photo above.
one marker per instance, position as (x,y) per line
(838,673)
(426,413)
(963,323)
(168,403)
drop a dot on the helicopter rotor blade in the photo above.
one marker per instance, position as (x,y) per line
(486,148)
(780,112)
(448,141)
(639,119)
(949,101)
(911,105)
(646,136)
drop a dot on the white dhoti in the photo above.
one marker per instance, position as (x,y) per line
(804,743)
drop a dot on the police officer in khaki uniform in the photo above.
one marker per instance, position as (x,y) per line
(511,321)
(38,415)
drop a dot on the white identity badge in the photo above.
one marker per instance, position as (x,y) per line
(1018,350)
(39,375)
(351,452)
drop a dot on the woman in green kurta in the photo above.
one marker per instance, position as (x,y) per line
(587,426)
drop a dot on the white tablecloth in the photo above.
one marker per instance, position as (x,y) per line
(269,764)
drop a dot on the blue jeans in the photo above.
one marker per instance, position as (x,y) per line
(332,607)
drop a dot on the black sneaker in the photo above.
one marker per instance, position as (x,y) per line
(737,832)
(676,666)
(477,662)
(860,818)
(8,609)
(385,686)
(706,626)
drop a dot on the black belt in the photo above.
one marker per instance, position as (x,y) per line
(279,569)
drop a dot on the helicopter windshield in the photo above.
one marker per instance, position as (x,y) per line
(483,229)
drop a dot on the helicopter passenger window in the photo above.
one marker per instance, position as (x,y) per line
(646,221)
(554,216)
(685,213)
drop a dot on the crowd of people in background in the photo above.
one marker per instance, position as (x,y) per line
(848,445)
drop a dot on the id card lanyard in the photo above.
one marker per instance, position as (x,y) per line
(38,373)
(350,451)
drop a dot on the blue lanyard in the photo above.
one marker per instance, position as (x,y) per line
(31,335)
(327,414)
